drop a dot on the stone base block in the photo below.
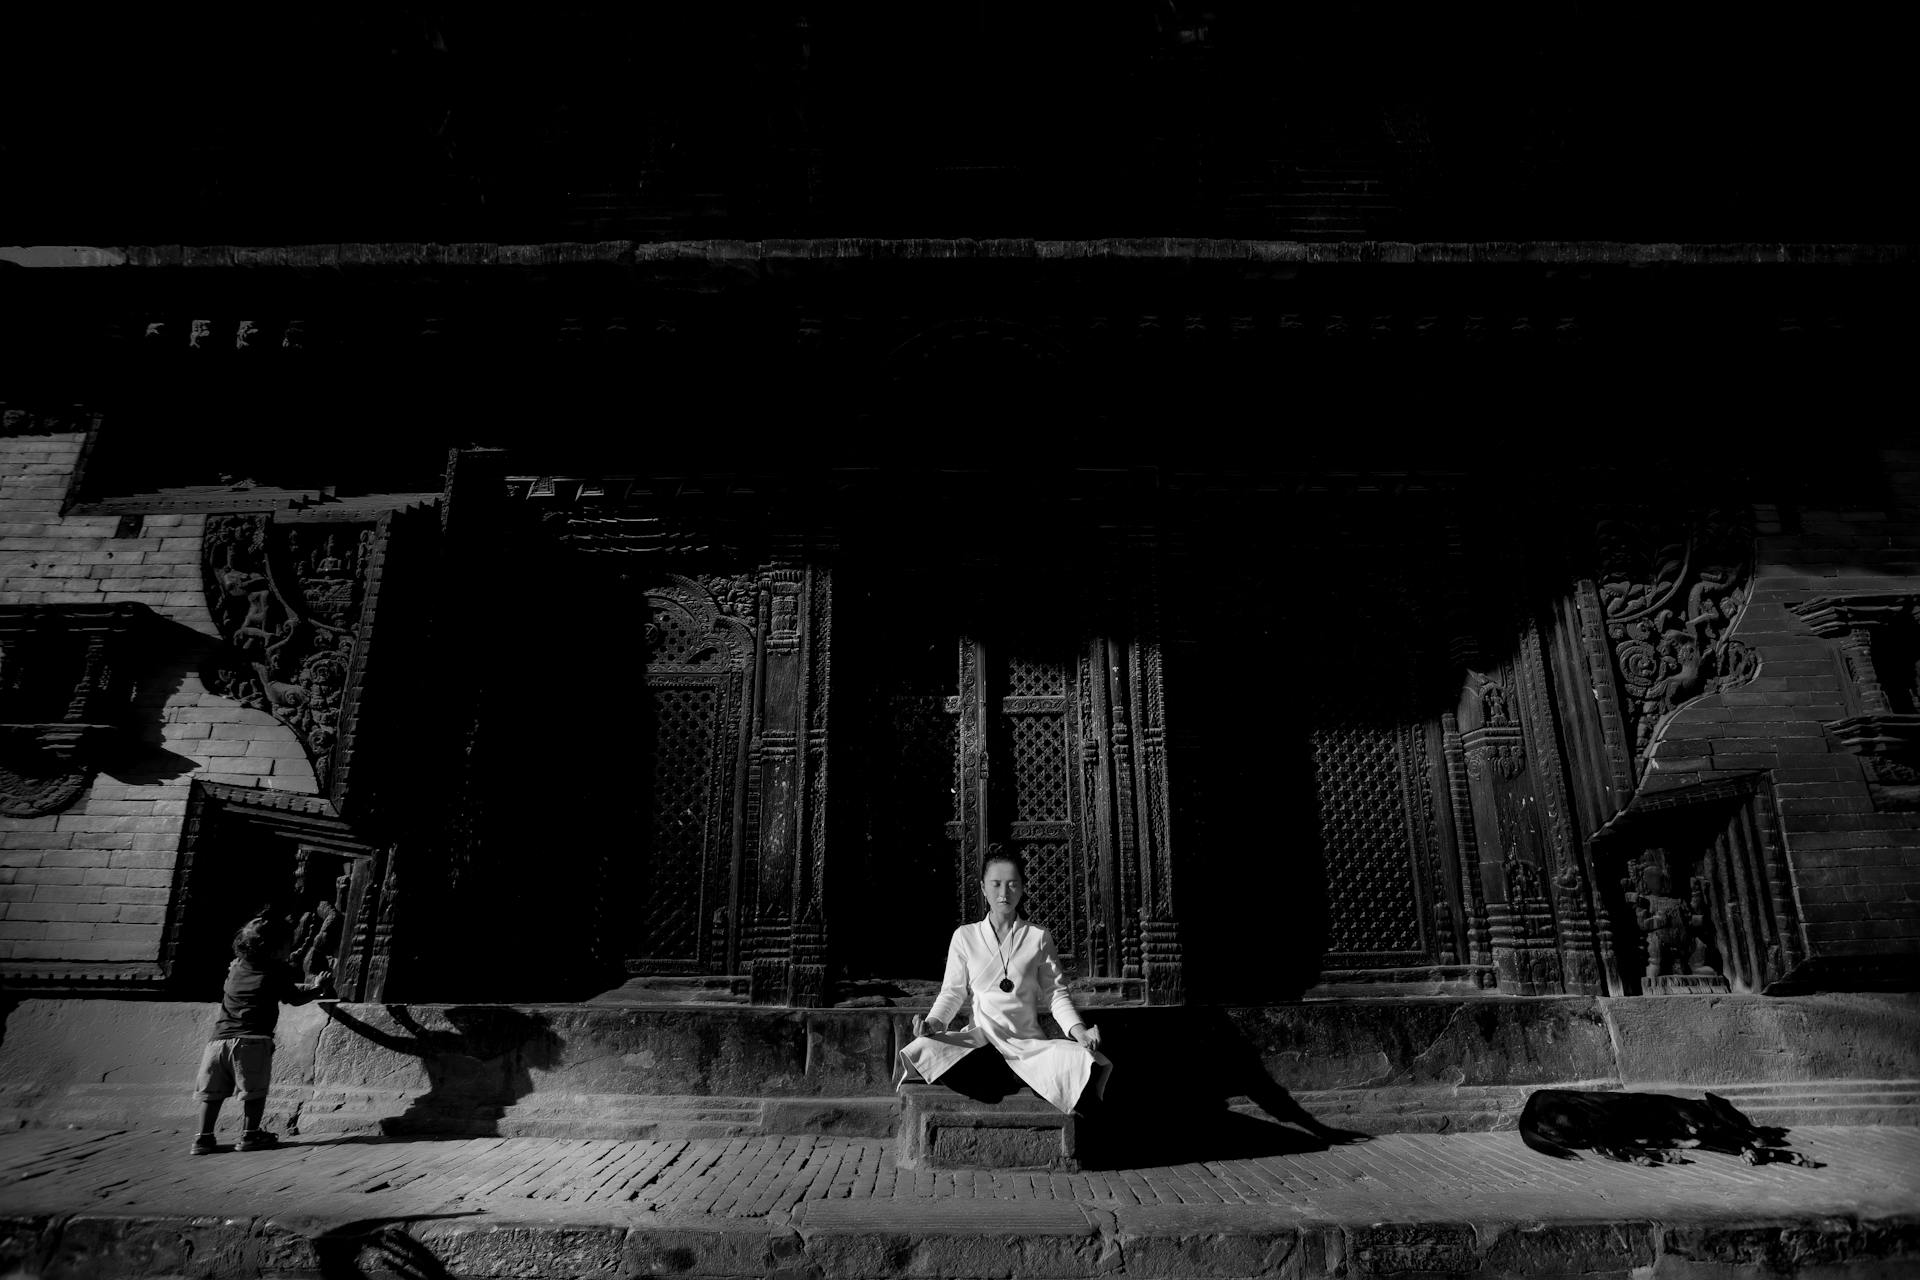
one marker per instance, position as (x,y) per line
(940,1129)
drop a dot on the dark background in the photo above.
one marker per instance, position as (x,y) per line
(259,124)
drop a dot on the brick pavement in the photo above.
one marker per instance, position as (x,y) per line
(843,1207)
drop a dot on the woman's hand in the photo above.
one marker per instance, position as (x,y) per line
(1085,1034)
(928,1026)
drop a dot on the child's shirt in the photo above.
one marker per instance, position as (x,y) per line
(250,1003)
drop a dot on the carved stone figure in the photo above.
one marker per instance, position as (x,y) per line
(1675,929)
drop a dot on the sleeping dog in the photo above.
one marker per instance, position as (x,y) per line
(1647,1128)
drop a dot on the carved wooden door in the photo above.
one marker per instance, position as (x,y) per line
(1022,724)
(1393,903)
(692,746)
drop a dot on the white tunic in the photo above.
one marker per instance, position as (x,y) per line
(1057,1070)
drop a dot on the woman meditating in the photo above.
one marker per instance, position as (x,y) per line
(1008,964)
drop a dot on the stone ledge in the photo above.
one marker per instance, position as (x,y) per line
(1421,1066)
(961,1239)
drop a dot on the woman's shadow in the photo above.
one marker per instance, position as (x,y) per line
(1178,1076)
(476,1068)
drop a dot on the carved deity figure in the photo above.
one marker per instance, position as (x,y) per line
(1675,929)
(317,921)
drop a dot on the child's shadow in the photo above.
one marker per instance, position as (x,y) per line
(479,1066)
(380,1247)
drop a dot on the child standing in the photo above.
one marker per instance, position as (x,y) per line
(240,1055)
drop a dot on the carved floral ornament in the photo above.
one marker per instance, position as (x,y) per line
(1670,593)
(287,599)
(699,624)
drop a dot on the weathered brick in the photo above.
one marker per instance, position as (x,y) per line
(1819,815)
(249,730)
(147,878)
(104,840)
(135,571)
(103,875)
(105,950)
(35,840)
(137,896)
(1748,744)
(1843,839)
(70,858)
(44,875)
(83,823)
(142,861)
(1804,790)
(1833,767)
(23,930)
(126,808)
(210,714)
(1742,763)
(68,893)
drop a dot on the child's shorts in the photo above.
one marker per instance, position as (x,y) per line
(241,1065)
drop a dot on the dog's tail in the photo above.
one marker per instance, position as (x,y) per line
(1546,1146)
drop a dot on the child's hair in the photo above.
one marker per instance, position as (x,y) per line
(260,937)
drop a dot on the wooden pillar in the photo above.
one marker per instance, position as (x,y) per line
(786,938)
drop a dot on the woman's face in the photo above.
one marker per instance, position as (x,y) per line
(1002,888)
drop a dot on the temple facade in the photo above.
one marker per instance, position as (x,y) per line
(658,623)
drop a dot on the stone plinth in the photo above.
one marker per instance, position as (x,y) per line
(687,1071)
(941,1129)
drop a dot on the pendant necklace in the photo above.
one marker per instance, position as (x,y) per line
(1006,983)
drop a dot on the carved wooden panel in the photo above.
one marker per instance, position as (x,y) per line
(683,818)
(1038,797)
(1671,588)
(287,595)
(696,654)
(1375,884)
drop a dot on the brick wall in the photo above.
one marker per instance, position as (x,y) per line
(89,885)
(1856,868)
